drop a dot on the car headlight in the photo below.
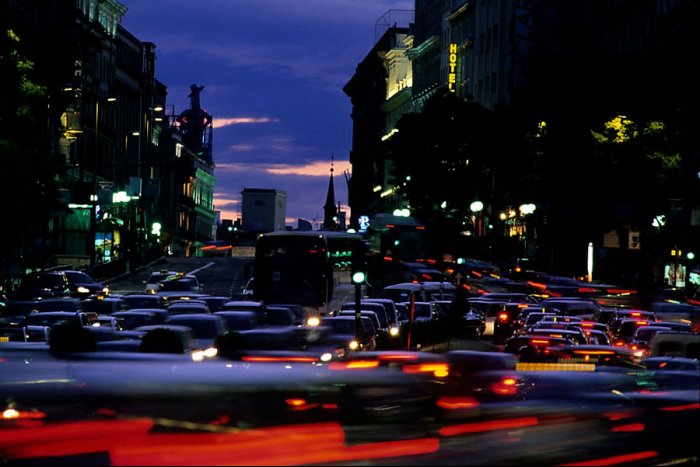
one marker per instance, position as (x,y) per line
(82,289)
(313,321)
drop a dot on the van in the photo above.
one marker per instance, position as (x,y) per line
(675,344)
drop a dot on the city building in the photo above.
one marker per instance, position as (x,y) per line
(134,182)
(559,61)
(263,210)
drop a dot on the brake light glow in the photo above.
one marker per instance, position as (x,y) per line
(507,386)
(457,402)
(266,358)
(397,357)
(354,365)
(439,370)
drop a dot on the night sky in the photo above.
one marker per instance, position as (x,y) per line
(273,72)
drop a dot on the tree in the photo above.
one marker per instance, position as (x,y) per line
(30,189)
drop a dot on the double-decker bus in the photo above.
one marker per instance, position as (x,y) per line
(311,269)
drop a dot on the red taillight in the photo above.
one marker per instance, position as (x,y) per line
(507,386)
(439,370)
(503,317)
(457,402)
(354,365)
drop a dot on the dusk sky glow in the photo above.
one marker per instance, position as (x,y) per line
(273,72)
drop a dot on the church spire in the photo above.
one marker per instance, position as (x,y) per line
(330,210)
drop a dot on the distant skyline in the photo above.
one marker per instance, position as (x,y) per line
(273,72)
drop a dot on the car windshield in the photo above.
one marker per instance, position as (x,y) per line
(78,277)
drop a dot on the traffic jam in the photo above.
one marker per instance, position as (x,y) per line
(470,367)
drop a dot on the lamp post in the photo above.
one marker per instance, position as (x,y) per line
(476,207)
(93,196)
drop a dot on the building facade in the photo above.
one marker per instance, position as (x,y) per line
(264,210)
(124,195)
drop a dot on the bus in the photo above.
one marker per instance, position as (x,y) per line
(397,237)
(311,269)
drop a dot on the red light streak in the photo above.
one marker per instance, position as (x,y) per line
(624,458)
(628,428)
(677,408)
(492,425)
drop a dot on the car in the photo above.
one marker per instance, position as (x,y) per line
(42,284)
(533,348)
(179,285)
(241,320)
(425,291)
(52,318)
(151,283)
(82,285)
(106,322)
(584,308)
(206,328)
(59,304)
(675,344)
(377,308)
(238,305)
(280,316)
(343,334)
(470,324)
(389,308)
(596,336)
(428,328)
(142,300)
(574,336)
(103,305)
(167,338)
(625,328)
(188,307)
(131,319)
(600,355)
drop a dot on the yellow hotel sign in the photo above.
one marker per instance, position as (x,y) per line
(452,73)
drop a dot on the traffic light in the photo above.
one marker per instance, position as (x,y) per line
(358,265)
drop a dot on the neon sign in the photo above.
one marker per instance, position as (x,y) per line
(452,74)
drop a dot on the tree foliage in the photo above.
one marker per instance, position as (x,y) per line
(29,191)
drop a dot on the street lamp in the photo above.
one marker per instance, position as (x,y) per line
(476,207)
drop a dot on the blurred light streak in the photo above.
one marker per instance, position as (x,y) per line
(614,460)
(131,442)
(439,370)
(353,365)
(677,408)
(61,439)
(457,402)
(492,425)
(628,427)
(302,444)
